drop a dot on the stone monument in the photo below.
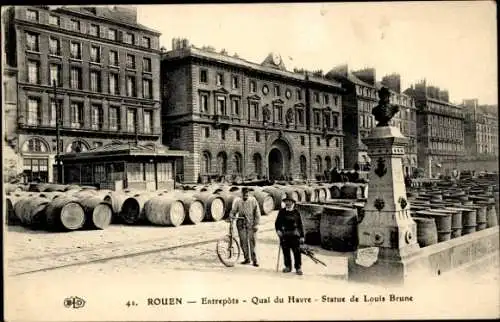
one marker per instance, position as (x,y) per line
(387,231)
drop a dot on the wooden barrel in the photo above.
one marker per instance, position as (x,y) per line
(116,199)
(321,194)
(98,213)
(351,191)
(426,231)
(228,198)
(31,211)
(72,187)
(311,219)
(214,206)
(338,228)
(290,191)
(277,195)
(50,187)
(194,209)
(265,200)
(309,193)
(468,220)
(65,213)
(456,221)
(11,219)
(491,217)
(51,195)
(335,191)
(443,222)
(165,210)
(132,211)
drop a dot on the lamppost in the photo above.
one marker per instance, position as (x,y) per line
(266,159)
(58,134)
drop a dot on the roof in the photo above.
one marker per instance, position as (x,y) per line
(126,149)
(242,63)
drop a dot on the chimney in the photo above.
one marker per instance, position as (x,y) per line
(367,75)
(393,82)
(185,43)
(340,70)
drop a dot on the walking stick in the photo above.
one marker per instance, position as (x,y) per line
(278,261)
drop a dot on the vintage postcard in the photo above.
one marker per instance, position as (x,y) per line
(273,161)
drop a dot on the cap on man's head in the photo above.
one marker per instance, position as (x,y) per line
(245,189)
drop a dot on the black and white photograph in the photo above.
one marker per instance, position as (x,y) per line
(250,161)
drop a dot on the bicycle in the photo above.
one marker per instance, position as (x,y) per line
(228,249)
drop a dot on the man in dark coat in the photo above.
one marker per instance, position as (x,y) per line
(291,233)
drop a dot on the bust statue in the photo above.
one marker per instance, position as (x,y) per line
(384,111)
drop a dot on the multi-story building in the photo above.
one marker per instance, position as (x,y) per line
(405,119)
(440,129)
(357,119)
(239,118)
(481,129)
(97,65)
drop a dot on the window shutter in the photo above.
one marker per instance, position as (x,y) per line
(120,36)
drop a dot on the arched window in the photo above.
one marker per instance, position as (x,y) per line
(237,164)
(35,145)
(337,162)
(77,147)
(222,163)
(257,162)
(303,165)
(319,164)
(205,162)
(328,162)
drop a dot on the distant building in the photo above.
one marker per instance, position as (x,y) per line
(481,129)
(440,129)
(241,119)
(106,69)
(405,119)
(357,119)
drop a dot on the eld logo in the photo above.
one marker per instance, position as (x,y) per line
(74,302)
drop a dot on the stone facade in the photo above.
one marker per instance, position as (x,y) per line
(481,130)
(74,47)
(243,119)
(440,129)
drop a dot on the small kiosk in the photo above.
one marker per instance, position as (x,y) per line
(123,166)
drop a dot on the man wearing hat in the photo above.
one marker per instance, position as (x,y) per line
(291,233)
(248,208)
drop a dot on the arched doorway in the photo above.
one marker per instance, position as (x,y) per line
(279,160)
(275,164)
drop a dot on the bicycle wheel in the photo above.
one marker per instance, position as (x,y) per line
(228,250)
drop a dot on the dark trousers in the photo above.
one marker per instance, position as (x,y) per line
(291,243)
(247,240)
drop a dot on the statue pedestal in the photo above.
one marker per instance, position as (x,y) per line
(387,227)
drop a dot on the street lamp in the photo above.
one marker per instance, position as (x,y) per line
(58,134)
(266,159)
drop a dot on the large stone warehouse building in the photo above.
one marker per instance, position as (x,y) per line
(239,118)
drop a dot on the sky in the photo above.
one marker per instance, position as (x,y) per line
(453,45)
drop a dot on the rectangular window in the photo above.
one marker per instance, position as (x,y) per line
(114,118)
(112,34)
(277,91)
(95,54)
(207,132)
(335,121)
(203,76)
(204,103)
(76,50)
(130,61)
(253,86)
(131,120)
(97,117)
(135,172)
(131,86)
(279,112)
(129,38)
(164,172)
(55,74)
(223,134)
(75,25)
(299,94)
(113,58)
(257,136)
(33,72)
(146,42)
(221,106)
(326,99)
(54,46)
(76,78)
(220,79)
(34,115)
(148,122)
(256,110)
(316,97)
(234,82)
(237,132)
(300,116)
(76,115)
(53,112)
(302,140)
(236,107)
(32,15)
(318,141)
(146,65)
(328,123)
(113,84)
(94,30)
(147,88)
(54,20)
(32,41)
(335,100)
(316,118)
(95,81)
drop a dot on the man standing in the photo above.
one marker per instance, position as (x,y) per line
(291,233)
(248,208)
